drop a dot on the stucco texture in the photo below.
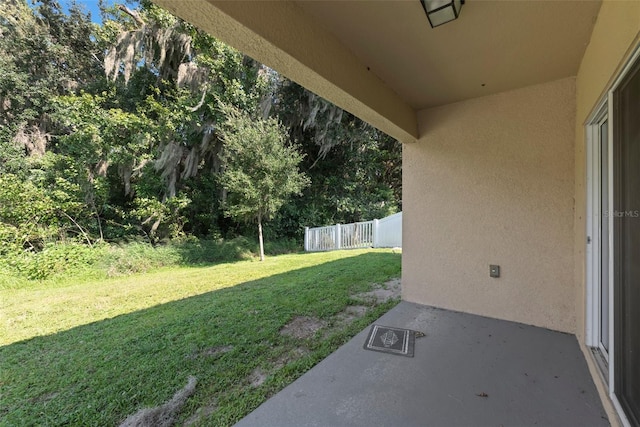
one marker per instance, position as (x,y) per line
(491,181)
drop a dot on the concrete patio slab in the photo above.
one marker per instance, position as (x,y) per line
(467,371)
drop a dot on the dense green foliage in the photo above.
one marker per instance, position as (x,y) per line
(113,132)
(91,353)
(69,261)
(260,168)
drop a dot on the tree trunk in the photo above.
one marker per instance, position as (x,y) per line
(260,238)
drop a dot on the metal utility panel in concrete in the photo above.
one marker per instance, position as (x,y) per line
(467,371)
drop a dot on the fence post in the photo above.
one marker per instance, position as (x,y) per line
(306,239)
(375,233)
(337,239)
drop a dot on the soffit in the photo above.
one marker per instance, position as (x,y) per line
(502,45)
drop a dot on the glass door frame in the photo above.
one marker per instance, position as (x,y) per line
(604,111)
(595,213)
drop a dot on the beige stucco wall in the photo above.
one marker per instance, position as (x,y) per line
(614,37)
(491,181)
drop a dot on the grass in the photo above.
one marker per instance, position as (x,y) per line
(93,353)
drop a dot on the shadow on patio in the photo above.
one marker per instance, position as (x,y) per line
(467,371)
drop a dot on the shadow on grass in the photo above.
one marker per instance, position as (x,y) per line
(99,373)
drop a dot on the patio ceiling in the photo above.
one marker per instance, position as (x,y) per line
(502,44)
(382,61)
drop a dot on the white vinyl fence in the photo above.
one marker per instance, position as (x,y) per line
(379,233)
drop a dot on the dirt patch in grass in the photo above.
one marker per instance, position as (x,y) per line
(350,313)
(287,358)
(302,327)
(163,415)
(382,293)
(257,377)
(200,414)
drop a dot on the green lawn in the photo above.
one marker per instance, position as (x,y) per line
(92,353)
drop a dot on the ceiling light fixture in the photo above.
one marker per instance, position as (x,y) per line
(441,11)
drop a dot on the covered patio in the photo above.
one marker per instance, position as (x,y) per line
(466,371)
(520,149)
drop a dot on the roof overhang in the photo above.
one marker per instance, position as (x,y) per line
(381,61)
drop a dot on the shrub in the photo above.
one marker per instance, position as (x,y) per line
(282,246)
(54,259)
(69,259)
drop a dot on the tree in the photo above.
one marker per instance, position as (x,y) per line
(117,129)
(260,168)
(44,52)
(356,170)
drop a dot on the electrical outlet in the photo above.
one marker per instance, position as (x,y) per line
(494,270)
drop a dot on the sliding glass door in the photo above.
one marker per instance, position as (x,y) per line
(626,202)
(603,241)
(613,250)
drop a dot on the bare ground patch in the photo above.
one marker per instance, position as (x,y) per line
(303,327)
(200,414)
(382,293)
(350,313)
(257,377)
(289,357)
